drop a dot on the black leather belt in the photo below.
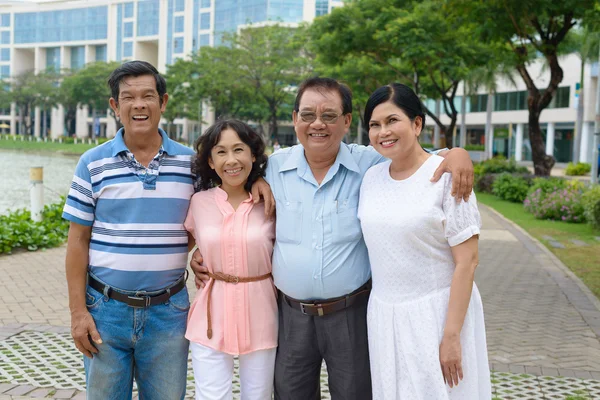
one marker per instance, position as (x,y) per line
(139,301)
(319,308)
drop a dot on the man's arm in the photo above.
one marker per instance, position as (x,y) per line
(261,188)
(458,162)
(82,323)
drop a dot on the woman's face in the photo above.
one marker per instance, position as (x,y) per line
(232,160)
(391,132)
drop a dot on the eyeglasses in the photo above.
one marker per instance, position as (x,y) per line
(326,117)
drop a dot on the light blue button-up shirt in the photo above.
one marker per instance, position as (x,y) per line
(319,250)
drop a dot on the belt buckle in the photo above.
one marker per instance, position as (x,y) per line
(145,299)
(319,308)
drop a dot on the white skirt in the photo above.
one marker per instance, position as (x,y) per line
(404,341)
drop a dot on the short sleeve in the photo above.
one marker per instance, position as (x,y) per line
(463,220)
(80,205)
(190,223)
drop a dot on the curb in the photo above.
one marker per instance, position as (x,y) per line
(592,321)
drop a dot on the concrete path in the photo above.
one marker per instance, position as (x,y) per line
(543,325)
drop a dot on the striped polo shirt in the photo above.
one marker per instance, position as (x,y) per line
(138,240)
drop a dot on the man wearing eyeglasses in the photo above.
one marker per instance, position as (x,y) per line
(320,261)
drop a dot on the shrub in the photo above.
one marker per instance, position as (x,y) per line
(562,204)
(499,165)
(547,185)
(17,230)
(578,169)
(483,183)
(510,188)
(591,206)
(475,147)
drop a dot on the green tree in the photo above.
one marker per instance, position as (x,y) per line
(414,42)
(88,87)
(251,76)
(527,30)
(29,90)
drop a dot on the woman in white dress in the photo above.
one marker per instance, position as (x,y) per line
(425,316)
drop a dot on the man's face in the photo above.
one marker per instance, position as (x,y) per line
(319,138)
(139,106)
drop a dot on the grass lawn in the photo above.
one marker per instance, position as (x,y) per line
(50,147)
(584,261)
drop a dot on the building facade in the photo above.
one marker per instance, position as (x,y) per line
(69,34)
(509,134)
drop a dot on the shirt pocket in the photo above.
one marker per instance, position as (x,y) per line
(346,225)
(289,222)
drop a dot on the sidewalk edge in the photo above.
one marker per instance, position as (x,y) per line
(556,261)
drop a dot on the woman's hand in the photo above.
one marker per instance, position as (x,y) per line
(451,359)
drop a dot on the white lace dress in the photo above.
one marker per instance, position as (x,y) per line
(408,227)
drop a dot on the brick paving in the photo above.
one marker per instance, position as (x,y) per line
(542,323)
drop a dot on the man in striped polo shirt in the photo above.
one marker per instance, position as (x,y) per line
(127,248)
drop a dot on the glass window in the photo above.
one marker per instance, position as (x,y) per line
(5,38)
(205,3)
(178,24)
(179,5)
(178,45)
(77,57)
(562,97)
(204,40)
(322,7)
(522,103)
(128,10)
(5,71)
(147,22)
(101,53)
(500,101)
(4,19)
(127,49)
(5,55)
(205,21)
(128,29)
(512,100)
(53,58)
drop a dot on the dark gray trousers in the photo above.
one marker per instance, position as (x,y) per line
(339,338)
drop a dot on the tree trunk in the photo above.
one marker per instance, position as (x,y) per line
(273,125)
(542,163)
(463,118)
(449,133)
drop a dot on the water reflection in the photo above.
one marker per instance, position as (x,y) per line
(14,177)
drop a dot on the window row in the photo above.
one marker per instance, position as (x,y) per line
(61,25)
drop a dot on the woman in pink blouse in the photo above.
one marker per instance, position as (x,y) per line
(236,313)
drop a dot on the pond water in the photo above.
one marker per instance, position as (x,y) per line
(14,177)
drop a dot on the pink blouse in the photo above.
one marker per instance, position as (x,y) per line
(236,242)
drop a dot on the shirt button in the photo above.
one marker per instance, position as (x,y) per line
(319,247)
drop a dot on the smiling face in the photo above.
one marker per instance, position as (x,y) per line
(318,138)
(139,105)
(232,160)
(391,132)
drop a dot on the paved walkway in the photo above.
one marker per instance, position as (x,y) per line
(543,325)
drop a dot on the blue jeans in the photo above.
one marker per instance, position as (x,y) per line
(145,343)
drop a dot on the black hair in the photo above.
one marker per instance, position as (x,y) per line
(135,68)
(326,84)
(205,143)
(402,96)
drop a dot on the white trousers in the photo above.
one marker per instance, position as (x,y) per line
(213,373)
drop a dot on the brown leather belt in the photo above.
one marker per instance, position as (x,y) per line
(219,276)
(139,301)
(319,308)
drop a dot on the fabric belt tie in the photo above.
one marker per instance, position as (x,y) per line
(219,276)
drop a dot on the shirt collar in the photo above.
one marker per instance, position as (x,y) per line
(168,145)
(298,160)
